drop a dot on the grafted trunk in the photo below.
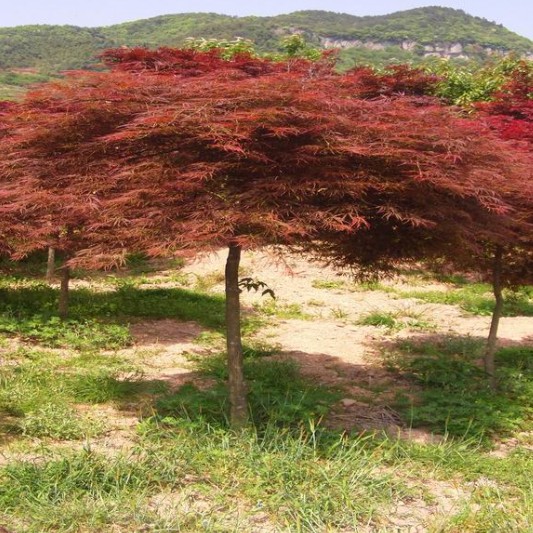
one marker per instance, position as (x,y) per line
(64,292)
(236,384)
(50,264)
(490,350)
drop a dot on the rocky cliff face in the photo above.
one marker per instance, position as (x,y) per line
(452,50)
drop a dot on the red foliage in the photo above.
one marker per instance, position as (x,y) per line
(510,112)
(213,153)
(193,63)
(395,80)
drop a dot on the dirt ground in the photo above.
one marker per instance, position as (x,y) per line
(325,339)
(332,349)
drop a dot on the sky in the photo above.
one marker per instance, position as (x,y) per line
(516,15)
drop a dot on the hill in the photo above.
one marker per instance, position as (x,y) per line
(403,36)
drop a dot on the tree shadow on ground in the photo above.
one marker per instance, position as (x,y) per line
(432,382)
(448,390)
(41,299)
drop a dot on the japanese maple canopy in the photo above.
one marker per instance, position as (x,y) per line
(178,149)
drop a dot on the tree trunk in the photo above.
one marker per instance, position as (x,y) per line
(490,350)
(51,264)
(236,384)
(64,292)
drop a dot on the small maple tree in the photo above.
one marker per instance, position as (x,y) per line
(499,95)
(179,150)
(510,110)
(510,114)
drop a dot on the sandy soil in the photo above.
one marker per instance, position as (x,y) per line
(329,345)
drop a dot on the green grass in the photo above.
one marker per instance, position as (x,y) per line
(300,481)
(476,298)
(285,467)
(99,319)
(454,396)
(41,392)
(76,334)
(498,489)
(186,471)
(59,422)
(82,490)
(379,319)
(277,394)
(396,320)
(359,286)
(272,308)
(373,285)
(328,284)
(28,298)
(207,282)
(286,471)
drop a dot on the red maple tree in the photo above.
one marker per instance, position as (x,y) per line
(175,151)
(510,111)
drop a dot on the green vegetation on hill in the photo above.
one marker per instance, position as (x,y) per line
(50,48)
(56,48)
(425,25)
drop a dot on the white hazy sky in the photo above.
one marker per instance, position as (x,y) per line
(517,15)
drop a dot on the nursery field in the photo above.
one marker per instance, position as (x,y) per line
(370,410)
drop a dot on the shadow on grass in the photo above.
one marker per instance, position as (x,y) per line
(277,394)
(97,319)
(104,388)
(433,382)
(450,393)
(40,402)
(41,299)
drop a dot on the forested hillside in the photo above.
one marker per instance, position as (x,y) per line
(411,35)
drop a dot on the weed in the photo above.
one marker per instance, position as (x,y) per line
(211,339)
(316,303)
(328,284)
(208,282)
(339,314)
(396,320)
(373,286)
(379,319)
(272,308)
(255,349)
